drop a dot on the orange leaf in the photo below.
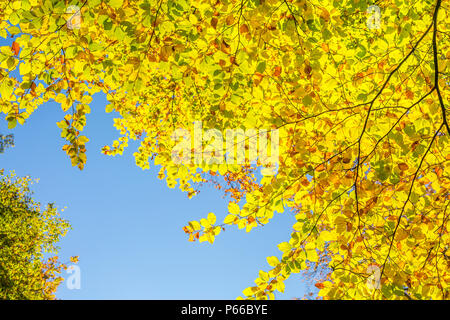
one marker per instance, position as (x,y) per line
(243,28)
(320,285)
(225,47)
(33,88)
(277,71)
(410,94)
(321,168)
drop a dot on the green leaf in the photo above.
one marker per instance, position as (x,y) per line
(307,100)
(115,3)
(12,123)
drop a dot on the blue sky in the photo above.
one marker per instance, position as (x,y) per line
(127,224)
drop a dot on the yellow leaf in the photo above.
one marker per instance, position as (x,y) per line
(60,98)
(284,246)
(233,208)
(229,219)
(205,223)
(298,226)
(195,225)
(211,218)
(327,236)
(24,68)
(280,286)
(311,255)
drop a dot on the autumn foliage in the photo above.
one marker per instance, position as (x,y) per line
(29,266)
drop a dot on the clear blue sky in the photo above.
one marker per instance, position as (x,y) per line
(127,224)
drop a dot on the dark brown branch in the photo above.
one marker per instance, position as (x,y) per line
(436,67)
